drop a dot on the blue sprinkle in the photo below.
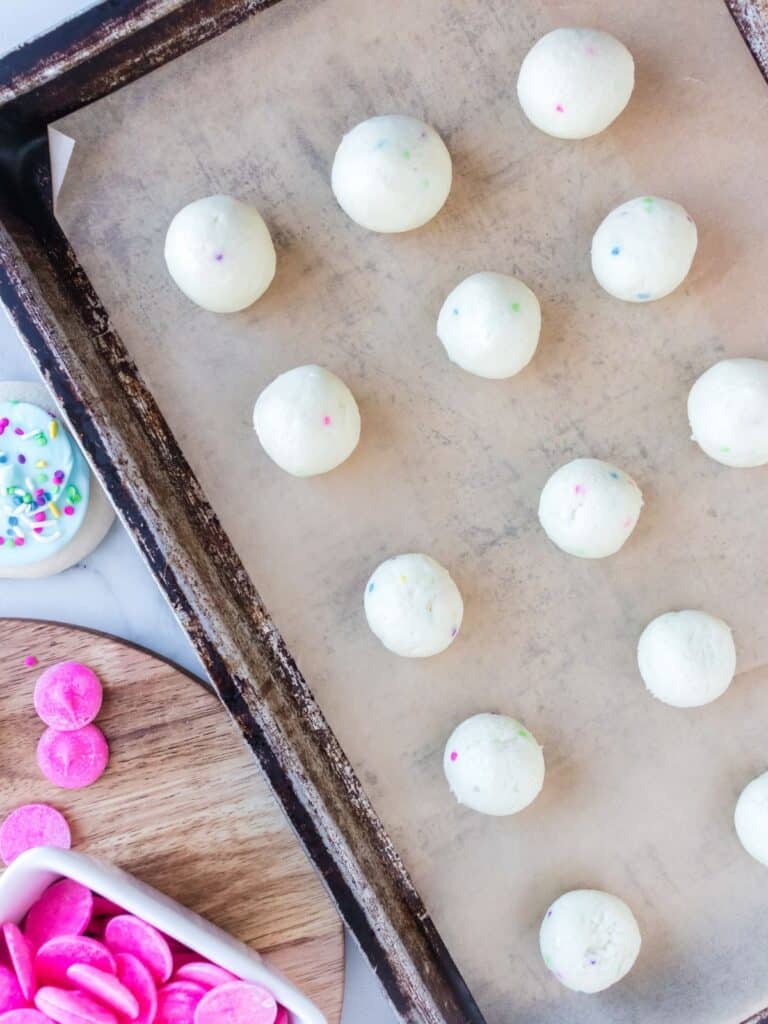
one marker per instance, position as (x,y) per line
(16,500)
(614,474)
(9,533)
(380,144)
(455,310)
(643,295)
(13,521)
(615,250)
(3,458)
(370,587)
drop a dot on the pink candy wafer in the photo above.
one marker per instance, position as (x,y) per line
(177,1002)
(20,955)
(53,959)
(66,1007)
(203,973)
(239,1002)
(68,696)
(25,1016)
(137,979)
(128,934)
(11,996)
(105,988)
(72,760)
(63,909)
(33,825)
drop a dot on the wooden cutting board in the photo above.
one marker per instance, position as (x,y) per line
(182,805)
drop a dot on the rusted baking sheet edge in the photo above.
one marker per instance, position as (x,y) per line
(129,445)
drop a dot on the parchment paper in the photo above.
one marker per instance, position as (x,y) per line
(638,797)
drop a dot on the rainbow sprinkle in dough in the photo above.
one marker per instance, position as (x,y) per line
(31,525)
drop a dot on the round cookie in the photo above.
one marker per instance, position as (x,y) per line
(644,249)
(493,764)
(489,325)
(391,173)
(751,818)
(219,252)
(575,81)
(728,412)
(687,658)
(589,508)
(307,421)
(589,940)
(413,606)
(52,511)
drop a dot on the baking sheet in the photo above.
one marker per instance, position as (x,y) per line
(638,797)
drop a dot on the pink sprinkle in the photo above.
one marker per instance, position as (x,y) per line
(39,517)
(591,51)
(560,108)
(2,541)
(30,660)
(327,421)
(18,430)
(37,529)
(69,510)
(19,542)
(454,755)
(579,489)
(4,422)
(626,523)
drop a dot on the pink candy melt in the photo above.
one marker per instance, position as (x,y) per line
(203,973)
(66,1007)
(26,1016)
(128,934)
(56,956)
(178,1001)
(64,909)
(106,988)
(135,976)
(68,696)
(32,825)
(237,1003)
(72,760)
(11,996)
(20,955)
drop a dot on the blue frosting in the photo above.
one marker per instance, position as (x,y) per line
(44,485)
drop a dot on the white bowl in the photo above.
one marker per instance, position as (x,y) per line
(30,875)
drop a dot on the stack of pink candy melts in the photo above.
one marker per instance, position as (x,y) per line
(72,752)
(79,959)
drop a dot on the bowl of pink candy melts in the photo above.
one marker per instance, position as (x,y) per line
(86,943)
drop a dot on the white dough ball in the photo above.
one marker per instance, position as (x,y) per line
(589,940)
(728,412)
(588,508)
(687,658)
(490,325)
(413,606)
(575,81)
(219,252)
(751,818)
(307,421)
(391,173)
(493,764)
(644,249)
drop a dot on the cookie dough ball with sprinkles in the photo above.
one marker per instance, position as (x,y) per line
(589,940)
(589,508)
(219,252)
(644,249)
(687,658)
(493,764)
(413,606)
(391,173)
(489,325)
(575,81)
(751,818)
(307,421)
(728,412)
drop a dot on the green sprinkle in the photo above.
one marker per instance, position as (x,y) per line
(73,494)
(425,182)
(524,733)
(27,499)
(10,490)
(42,478)
(648,200)
(406,154)
(515,307)
(41,440)
(725,448)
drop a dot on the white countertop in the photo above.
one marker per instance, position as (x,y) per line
(112,590)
